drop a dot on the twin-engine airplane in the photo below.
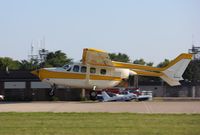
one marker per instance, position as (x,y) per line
(98,71)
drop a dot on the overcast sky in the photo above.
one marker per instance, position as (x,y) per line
(149,29)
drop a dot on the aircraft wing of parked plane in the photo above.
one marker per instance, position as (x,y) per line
(98,71)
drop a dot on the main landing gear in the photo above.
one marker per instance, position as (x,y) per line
(93,94)
(52,92)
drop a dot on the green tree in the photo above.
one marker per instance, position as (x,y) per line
(121,57)
(192,73)
(29,65)
(56,59)
(6,62)
(163,64)
(149,64)
(139,61)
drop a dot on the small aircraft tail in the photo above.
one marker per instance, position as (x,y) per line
(172,74)
(105,96)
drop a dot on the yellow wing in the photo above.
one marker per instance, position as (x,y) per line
(96,57)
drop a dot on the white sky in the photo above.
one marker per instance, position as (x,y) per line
(149,29)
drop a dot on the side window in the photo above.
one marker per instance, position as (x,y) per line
(76,68)
(83,69)
(103,71)
(93,70)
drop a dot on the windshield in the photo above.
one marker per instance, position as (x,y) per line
(67,67)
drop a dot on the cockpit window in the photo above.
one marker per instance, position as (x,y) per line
(83,69)
(76,68)
(67,67)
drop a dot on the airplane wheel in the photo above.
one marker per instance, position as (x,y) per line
(93,95)
(51,93)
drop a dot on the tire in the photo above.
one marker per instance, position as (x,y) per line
(93,95)
(51,93)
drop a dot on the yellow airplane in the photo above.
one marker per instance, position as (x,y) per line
(97,71)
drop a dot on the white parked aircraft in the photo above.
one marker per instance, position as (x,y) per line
(118,97)
(97,71)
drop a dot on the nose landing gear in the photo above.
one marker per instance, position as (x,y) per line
(52,92)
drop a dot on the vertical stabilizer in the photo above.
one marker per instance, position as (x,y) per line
(172,74)
(105,96)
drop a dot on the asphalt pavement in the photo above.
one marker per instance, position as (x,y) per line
(113,107)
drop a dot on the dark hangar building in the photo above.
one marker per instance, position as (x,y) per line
(24,86)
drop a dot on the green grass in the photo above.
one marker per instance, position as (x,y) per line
(98,124)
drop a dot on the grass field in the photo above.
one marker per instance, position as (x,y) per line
(98,124)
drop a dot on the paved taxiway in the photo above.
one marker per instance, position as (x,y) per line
(132,107)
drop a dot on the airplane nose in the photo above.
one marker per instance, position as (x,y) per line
(35,72)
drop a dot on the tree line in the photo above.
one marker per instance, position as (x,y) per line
(53,59)
(59,58)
